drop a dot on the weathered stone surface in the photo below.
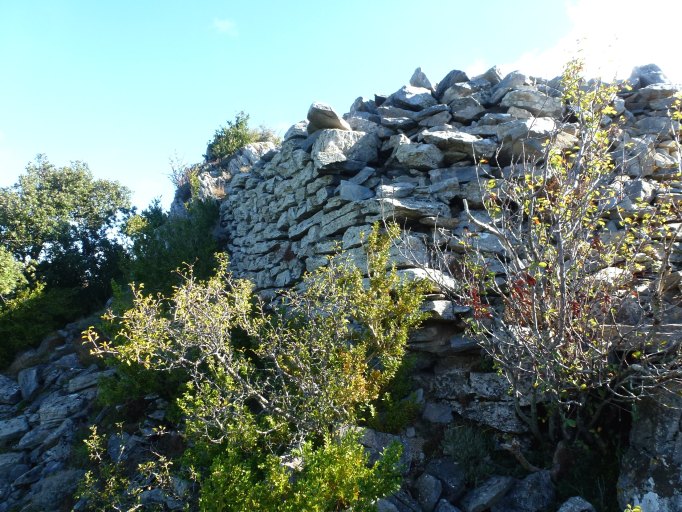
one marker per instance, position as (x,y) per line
(8,461)
(419,79)
(648,74)
(453,77)
(444,309)
(10,392)
(87,380)
(12,429)
(446,506)
(29,381)
(55,489)
(498,415)
(422,157)
(334,148)
(576,504)
(651,469)
(428,489)
(57,408)
(437,412)
(451,475)
(487,494)
(465,110)
(535,493)
(322,117)
(386,506)
(449,140)
(535,102)
(376,442)
(413,98)
(513,80)
(353,192)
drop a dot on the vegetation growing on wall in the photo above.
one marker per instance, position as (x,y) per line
(280,380)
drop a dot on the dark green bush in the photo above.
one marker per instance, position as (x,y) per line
(334,476)
(34,313)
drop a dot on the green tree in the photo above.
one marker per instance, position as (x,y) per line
(160,244)
(11,274)
(63,221)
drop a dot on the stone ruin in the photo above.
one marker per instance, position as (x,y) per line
(414,156)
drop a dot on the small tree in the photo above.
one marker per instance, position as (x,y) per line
(574,318)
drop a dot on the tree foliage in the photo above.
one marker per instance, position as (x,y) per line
(160,244)
(59,219)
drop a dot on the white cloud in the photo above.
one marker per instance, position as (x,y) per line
(225,26)
(612,36)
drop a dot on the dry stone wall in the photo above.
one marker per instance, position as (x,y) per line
(414,156)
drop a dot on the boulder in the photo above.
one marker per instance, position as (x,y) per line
(651,468)
(449,140)
(29,381)
(451,475)
(648,74)
(453,77)
(56,408)
(576,504)
(322,117)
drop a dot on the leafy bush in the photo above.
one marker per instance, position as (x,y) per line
(269,379)
(234,136)
(565,326)
(335,476)
(162,244)
(470,446)
(34,313)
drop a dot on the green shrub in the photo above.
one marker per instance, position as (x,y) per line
(228,139)
(470,445)
(335,476)
(33,314)
(162,244)
(269,380)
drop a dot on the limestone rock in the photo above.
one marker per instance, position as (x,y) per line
(576,504)
(648,74)
(487,494)
(428,489)
(343,150)
(29,381)
(321,117)
(535,102)
(451,475)
(453,77)
(57,408)
(445,506)
(413,98)
(453,141)
(10,392)
(422,157)
(419,79)
(535,493)
(12,429)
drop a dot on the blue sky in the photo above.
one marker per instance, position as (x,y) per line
(127,85)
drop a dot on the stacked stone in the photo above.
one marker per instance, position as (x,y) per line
(415,156)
